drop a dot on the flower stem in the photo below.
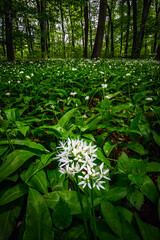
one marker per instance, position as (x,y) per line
(82,209)
(93,214)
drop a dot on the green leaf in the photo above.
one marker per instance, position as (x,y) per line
(137,147)
(115,194)
(37,166)
(156,137)
(69,197)
(104,232)
(26,143)
(159,208)
(13,193)
(128,231)
(149,189)
(92,124)
(66,118)
(102,158)
(3,149)
(153,167)
(39,182)
(108,147)
(128,215)
(38,219)
(61,215)
(89,136)
(8,217)
(12,114)
(76,232)
(148,232)
(13,161)
(135,197)
(111,217)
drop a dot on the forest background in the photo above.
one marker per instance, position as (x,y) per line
(34,29)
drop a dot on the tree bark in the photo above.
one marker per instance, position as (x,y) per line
(72,31)
(90,27)
(100,30)
(3,36)
(157,10)
(41,6)
(63,30)
(134,44)
(8,27)
(158,53)
(111,24)
(86,30)
(128,26)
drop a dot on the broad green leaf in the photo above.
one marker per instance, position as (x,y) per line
(137,147)
(13,193)
(76,232)
(61,215)
(8,217)
(63,122)
(134,123)
(123,163)
(89,136)
(69,197)
(12,114)
(115,194)
(37,166)
(101,139)
(26,143)
(111,217)
(135,197)
(102,158)
(127,214)
(149,189)
(108,147)
(56,180)
(39,182)
(38,219)
(104,232)
(148,232)
(153,167)
(13,161)
(156,137)
(3,149)
(92,124)
(159,208)
(128,231)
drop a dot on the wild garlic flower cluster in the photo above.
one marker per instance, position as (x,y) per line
(76,157)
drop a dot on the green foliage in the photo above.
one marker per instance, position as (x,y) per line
(61,215)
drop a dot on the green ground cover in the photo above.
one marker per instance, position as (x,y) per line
(113,104)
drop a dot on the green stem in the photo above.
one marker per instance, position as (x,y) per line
(82,209)
(93,214)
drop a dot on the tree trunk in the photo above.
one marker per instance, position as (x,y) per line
(136,50)
(82,25)
(63,35)
(100,30)
(3,36)
(90,26)
(73,44)
(157,10)
(134,44)
(48,39)
(41,6)
(86,30)
(8,27)
(146,6)
(128,25)
(158,53)
(111,23)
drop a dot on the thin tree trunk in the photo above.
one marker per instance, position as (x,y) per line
(100,30)
(122,20)
(146,6)
(41,10)
(134,44)
(3,36)
(82,25)
(8,27)
(63,35)
(111,23)
(86,30)
(48,39)
(157,10)
(90,27)
(128,26)
(158,53)
(73,44)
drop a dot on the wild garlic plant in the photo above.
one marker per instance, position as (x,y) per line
(77,159)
